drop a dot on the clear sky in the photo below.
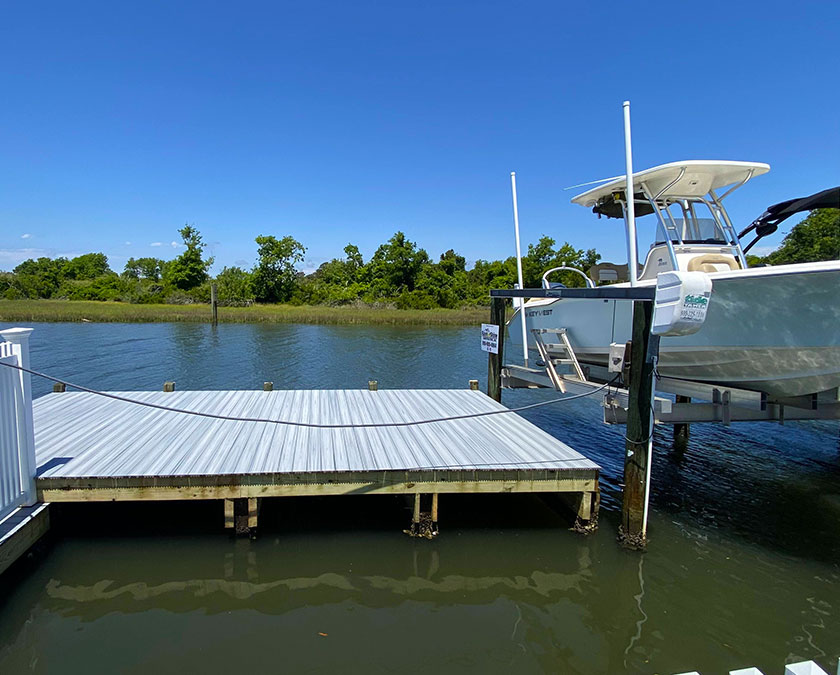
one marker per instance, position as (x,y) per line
(341,122)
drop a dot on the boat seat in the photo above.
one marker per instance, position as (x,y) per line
(713,262)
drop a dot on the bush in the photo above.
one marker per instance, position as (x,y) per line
(108,287)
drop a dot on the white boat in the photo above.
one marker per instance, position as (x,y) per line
(770,329)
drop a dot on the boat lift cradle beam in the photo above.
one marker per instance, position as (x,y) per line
(710,403)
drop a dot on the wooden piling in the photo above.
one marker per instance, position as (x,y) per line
(373,385)
(268,386)
(59,387)
(681,431)
(229,513)
(474,385)
(214,304)
(494,366)
(169,386)
(643,354)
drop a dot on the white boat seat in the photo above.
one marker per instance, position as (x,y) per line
(713,262)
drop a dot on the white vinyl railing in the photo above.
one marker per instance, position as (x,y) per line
(17,440)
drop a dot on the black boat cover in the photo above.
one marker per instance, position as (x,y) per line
(769,221)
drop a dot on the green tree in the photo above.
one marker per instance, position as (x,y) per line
(815,238)
(275,275)
(87,266)
(542,256)
(235,286)
(394,267)
(144,268)
(451,262)
(40,278)
(189,269)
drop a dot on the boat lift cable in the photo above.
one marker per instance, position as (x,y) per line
(292,423)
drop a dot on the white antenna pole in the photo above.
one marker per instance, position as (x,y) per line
(519,267)
(630,209)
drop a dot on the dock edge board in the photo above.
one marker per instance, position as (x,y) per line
(233,486)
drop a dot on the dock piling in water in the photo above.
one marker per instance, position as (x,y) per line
(639,430)
(494,361)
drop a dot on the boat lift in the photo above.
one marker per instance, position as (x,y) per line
(678,401)
(642,398)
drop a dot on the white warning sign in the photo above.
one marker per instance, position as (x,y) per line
(490,338)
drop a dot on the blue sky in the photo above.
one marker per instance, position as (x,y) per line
(341,122)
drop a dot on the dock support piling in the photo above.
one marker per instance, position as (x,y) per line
(373,385)
(494,367)
(214,304)
(639,431)
(474,385)
(241,515)
(59,387)
(424,523)
(681,431)
(169,386)
(229,513)
(253,513)
(268,386)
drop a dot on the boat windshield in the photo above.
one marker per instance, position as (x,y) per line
(682,224)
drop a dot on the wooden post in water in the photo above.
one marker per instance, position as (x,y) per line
(169,386)
(681,431)
(268,386)
(639,430)
(214,304)
(494,366)
(373,385)
(474,385)
(59,387)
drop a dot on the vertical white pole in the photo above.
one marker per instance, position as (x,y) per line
(519,268)
(26,435)
(649,452)
(632,254)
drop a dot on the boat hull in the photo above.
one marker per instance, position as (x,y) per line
(775,330)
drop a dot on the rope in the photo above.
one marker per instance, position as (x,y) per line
(311,425)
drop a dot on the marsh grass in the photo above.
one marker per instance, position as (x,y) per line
(116,312)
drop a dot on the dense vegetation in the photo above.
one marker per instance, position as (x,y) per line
(399,275)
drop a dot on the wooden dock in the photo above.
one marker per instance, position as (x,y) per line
(92,448)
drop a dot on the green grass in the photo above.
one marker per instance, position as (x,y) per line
(117,312)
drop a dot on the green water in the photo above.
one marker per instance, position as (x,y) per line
(742,567)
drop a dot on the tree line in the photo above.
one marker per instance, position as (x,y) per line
(399,273)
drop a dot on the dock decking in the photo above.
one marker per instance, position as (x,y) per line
(91,448)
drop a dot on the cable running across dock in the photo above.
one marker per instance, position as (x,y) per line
(363,425)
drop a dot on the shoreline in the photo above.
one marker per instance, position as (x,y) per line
(83,311)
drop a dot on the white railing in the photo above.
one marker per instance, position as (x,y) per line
(17,439)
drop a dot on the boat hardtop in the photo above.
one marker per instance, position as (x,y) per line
(688,179)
